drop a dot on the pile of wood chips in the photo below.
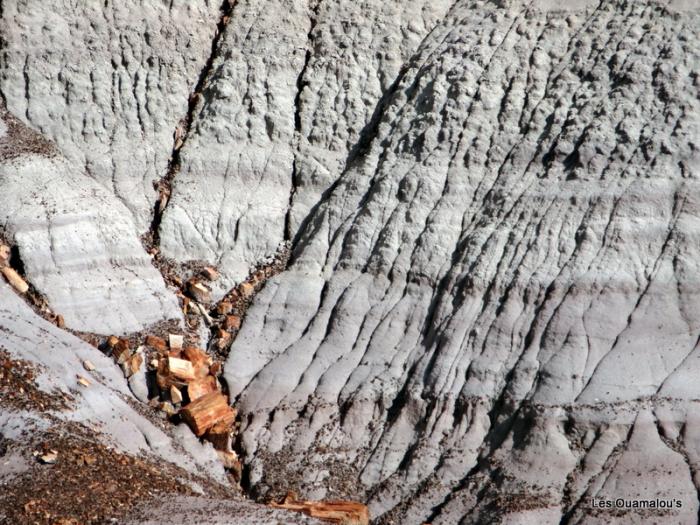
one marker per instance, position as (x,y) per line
(186,378)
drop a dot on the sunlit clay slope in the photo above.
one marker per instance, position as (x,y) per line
(494,312)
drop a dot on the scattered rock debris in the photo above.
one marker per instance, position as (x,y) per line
(77,480)
(192,284)
(228,314)
(18,389)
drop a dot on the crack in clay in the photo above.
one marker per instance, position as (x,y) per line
(164,186)
(300,85)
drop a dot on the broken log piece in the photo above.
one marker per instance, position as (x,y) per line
(197,356)
(121,351)
(176,341)
(224,307)
(232,322)
(168,408)
(180,369)
(163,381)
(157,343)
(4,254)
(198,291)
(210,273)
(175,395)
(340,512)
(220,436)
(163,199)
(215,369)
(203,311)
(201,387)
(247,290)
(163,376)
(132,365)
(223,338)
(15,280)
(207,411)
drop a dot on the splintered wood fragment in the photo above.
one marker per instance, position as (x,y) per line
(210,273)
(112,341)
(163,381)
(176,341)
(60,321)
(157,343)
(203,311)
(201,370)
(232,322)
(175,395)
(340,512)
(121,351)
(49,458)
(163,199)
(201,387)
(181,369)
(15,279)
(223,339)
(83,382)
(196,355)
(220,436)
(87,365)
(4,254)
(207,411)
(198,291)
(247,290)
(133,364)
(168,408)
(224,307)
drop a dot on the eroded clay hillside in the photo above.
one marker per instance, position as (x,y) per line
(488,213)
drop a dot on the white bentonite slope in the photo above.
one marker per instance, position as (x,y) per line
(108,81)
(494,314)
(292,86)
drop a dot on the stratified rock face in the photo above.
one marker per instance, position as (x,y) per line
(77,242)
(495,310)
(107,81)
(292,86)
